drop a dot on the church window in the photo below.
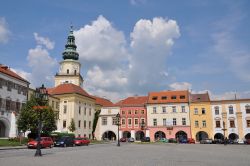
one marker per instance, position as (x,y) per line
(75,72)
(67,71)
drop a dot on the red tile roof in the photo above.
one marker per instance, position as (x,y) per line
(6,70)
(103,102)
(133,101)
(68,89)
(199,97)
(166,97)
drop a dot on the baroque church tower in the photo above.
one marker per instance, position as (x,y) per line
(70,67)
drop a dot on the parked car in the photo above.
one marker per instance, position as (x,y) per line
(172,140)
(206,141)
(131,139)
(123,140)
(183,141)
(240,141)
(191,141)
(65,141)
(44,143)
(218,141)
(81,141)
(145,139)
(247,141)
(163,140)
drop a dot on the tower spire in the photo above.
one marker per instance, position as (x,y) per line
(70,47)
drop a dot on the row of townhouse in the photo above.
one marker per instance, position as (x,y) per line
(175,114)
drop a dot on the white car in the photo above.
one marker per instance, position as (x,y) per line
(240,141)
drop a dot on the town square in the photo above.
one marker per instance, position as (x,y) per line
(133,82)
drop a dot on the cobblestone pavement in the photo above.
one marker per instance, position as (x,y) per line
(132,155)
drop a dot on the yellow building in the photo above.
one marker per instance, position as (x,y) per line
(200,116)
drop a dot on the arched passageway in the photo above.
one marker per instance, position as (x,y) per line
(159,135)
(109,135)
(201,135)
(139,135)
(181,135)
(233,136)
(219,136)
(126,134)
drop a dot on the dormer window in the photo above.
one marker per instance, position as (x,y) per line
(182,97)
(154,98)
(173,97)
(164,97)
(67,71)
(75,72)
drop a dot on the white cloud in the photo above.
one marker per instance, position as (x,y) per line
(180,86)
(44,41)
(136,2)
(4,31)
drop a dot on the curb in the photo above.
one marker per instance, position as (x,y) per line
(13,147)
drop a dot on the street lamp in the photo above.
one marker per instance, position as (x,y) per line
(118,117)
(143,127)
(41,96)
(224,132)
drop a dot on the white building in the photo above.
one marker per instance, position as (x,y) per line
(13,94)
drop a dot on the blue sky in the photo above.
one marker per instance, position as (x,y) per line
(130,47)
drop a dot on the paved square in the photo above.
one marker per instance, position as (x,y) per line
(132,155)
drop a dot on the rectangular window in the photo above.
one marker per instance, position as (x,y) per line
(184,121)
(173,97)
(129,112)
(89,124)
(53,104)
(182,97)
(164,97)
(9,86)
(248,123)
(123,121)
(163,109)
(79,123)
(142,120)
(174,108)
(154,110)
(114,122)
(64,109)
(217,124)
(183,109)
(203,111)
(232,124)
(79,110)
(85,124)
(123,112)
(129,122)
(196,123)
(247,109)
(196,111)
(57,105)
(136,122)
(164,122)
(204,124)
(64,124)
(8,104)
(154,98)
(136,111)
(104,120)
(174,122)
(142,111)
(231,110)
(85,111)
(89,111)
(154,122)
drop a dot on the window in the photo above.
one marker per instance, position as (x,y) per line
(164,122)
(248,123)
(57,105)
(142,120)
(183,121)
(173,97)
(136,111)
(163,109)
(9,86)
(89,111)
(129,122)
(67,71)
(204,124)
(154,122)
(247,109)
(79,110)
(196,111)
(196,123)
(79,123)
(85,111)
(174,108)
(154,98)
(104,120)
(53,104)
(142,111)
(217,124)
(75,72)
(123,112)
(154,110)
(164,97)
(1,83)
(114,122)
(136,122)
(231,109)
(182,97)
(123,122)
(174,122)
(64,109)
(129,111)
(216,110)
(8,104)
(85,124)
(232,124)
(89,124)
(183,109)
(203,111)
(64,124)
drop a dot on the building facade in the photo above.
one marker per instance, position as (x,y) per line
(168,115)
(200,116)
(13,94)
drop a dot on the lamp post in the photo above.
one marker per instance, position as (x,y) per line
(224,132)
(143,127)
(41,95)
(118,117)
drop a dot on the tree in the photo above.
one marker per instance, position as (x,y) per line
(97,113)
(28,118)
(72,126)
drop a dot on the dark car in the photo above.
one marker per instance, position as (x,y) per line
(218,141)
(183,141)
(44,143)
(247,141)
(65,141)
(145,139)
(206,141)
(122,139)
(172,140)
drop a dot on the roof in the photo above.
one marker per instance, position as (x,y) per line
(68,89)
(6,70)
(133,101)
(168,97)
(103,102)
(199,97)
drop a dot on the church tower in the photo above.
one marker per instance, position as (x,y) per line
(70,67)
